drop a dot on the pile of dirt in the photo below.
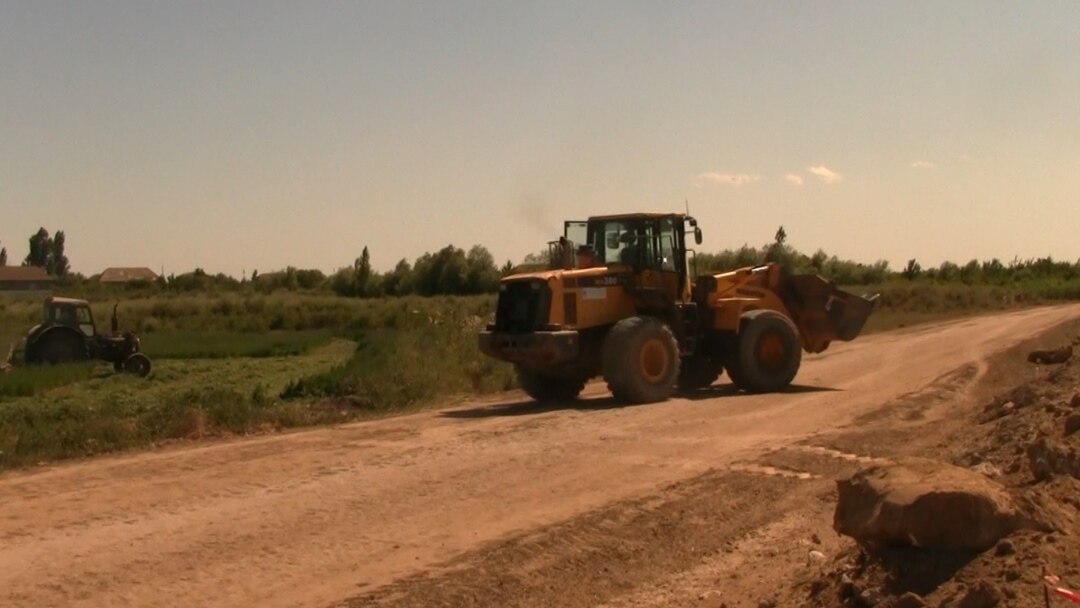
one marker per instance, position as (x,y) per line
(980,531)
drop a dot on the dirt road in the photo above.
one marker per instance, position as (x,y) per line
(419,509)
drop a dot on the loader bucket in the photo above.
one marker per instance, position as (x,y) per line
(822,312)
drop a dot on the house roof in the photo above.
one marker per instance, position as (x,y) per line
(24,274)
(123,275)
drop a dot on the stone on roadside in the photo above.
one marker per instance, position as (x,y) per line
(983,595)
(909,600)
(1047,460)
(1072,424)
(869,597)
(923,503)
(1049,357)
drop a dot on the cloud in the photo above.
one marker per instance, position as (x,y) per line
(793,179)
(731,179)
(825,174)
(923,164)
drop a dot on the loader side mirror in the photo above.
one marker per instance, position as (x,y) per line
(697,235)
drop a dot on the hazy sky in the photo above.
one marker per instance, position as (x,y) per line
(244,135)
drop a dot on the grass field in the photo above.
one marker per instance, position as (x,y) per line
(101,411)
(220,344)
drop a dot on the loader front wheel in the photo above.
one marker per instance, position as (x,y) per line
(640,360)
(544,388)
(768,353)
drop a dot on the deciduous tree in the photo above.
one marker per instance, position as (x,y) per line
(58,263)
(40,246)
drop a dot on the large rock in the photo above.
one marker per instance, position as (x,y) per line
(923,503)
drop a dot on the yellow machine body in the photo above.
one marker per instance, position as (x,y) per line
(634,269)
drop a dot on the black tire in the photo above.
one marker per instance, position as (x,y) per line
(735,372)
(546,388)
(768,352)
(698,372)
(640,360)
(137,364)
(118,366)
(59,347)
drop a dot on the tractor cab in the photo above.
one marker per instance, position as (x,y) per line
(69,312)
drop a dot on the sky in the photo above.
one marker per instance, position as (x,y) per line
(235,136)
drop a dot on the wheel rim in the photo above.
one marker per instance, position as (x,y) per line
(654,360)
(771,351)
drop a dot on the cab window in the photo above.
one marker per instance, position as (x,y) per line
(667,246)
(86,322)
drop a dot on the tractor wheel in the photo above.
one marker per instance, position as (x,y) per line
(640,360)
(698,372)
(544,388)
(59,347)
(768,353)
(137,364)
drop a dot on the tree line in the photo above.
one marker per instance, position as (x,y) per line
(448,271)
(846,272)
(455,271)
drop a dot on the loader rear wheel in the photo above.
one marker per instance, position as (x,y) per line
(698,372)
(545,388)
(768,353)
(640,360)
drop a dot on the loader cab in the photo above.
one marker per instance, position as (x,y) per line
(652,246)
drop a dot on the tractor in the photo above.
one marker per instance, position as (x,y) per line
(67,333)
(619,301)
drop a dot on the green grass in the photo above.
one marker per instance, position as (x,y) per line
(905,303)
(410,365)
(220,344)
(30,381)
(181,399)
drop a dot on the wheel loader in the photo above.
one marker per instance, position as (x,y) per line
(67,333)
(619,301)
